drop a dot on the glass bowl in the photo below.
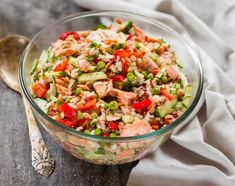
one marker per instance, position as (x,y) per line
(106,150)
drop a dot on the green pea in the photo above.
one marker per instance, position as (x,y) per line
(137,46)
(156,90)
(110,50)
(98,131)
(94,115)
(164,79)
(113,105)
(131,76)
(150,76)
(78,91)
(101,64)
(112,135)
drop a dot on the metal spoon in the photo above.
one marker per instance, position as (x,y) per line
(11,48)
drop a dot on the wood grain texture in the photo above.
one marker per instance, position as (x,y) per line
(27,18)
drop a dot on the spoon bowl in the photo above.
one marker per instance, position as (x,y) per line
(11,48)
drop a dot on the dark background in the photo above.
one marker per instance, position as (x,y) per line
(27,18)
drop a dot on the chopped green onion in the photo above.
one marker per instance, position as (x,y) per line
(113,105)
(62,73)
(94,115)
(101,64)
(98,131)
(94,44)
(78,91)
(80,115)
(144,73)
(118,46)
(150,76)
(131,76)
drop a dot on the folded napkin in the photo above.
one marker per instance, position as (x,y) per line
(202,152)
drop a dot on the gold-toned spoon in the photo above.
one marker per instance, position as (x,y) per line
(11,48)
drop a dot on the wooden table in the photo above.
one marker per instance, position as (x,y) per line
(27,18)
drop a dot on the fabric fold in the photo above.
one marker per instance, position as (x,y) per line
(202,152)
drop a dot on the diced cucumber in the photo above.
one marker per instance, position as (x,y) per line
(92,76)
(154,57)
(43,104)
(188,90)
(187,95)
(72,61)
(35,65)
(127,26)
(127,119)
(179,105)
(186,101)
(166,108)
(44,57)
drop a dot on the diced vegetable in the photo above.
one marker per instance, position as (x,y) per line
(43,104)
(167,107)
(35,65)
(92,76)
(127,26)
(39,90)
(68,111)
(127,119)
(141,106)
(113,105)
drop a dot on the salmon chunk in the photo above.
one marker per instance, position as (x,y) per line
(139,127)
(103,88)
(124,98)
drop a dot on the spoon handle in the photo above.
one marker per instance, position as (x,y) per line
(42,161)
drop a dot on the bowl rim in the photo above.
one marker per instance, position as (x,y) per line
(153,21)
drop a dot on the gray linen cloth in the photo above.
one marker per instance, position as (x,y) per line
(202,152)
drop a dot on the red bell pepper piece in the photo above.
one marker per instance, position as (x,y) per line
(155,71)
(39,90)
(122,53)
(141,106)
(129,36)
(61,66)
(164,92)
(113,125)
(124,67)
(68,111)
(82,122)
(66,122)
(119,78)
(89,104)
(64,35)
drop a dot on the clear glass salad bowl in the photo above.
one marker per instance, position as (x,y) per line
(106,150)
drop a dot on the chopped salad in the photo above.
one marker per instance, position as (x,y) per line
(113,81)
